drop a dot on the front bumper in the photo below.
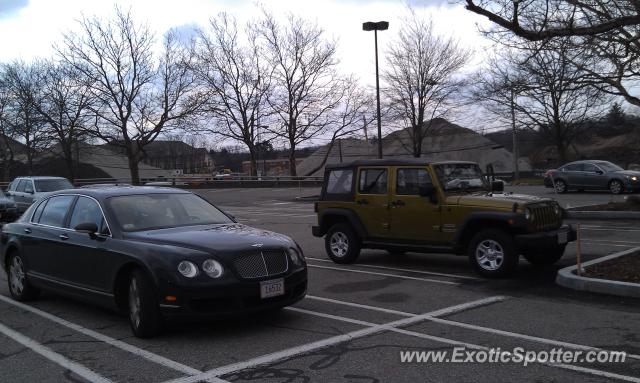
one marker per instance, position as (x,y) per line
(230,299)
(546,239)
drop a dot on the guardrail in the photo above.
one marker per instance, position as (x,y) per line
(206,181)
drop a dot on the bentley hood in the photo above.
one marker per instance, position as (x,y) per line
(214,238)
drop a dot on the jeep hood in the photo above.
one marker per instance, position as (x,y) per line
(505,200)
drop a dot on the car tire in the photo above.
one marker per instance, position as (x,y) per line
(19,287)
(493,253)
(342,244)
(616,187)
(144,314)
(561,186)
(549,257)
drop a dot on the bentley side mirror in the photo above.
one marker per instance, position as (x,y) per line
(88,228)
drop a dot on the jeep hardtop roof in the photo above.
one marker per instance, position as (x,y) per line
(392,162)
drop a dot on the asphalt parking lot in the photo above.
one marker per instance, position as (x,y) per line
(354,323)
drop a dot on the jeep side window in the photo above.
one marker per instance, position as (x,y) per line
(340,181)
(409,181)
(373,181)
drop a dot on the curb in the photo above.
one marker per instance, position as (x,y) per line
(602,215)
(310,198)
(567,278)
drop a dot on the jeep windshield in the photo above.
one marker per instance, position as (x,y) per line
(461,177)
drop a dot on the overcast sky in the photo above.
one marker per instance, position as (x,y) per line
(30,27)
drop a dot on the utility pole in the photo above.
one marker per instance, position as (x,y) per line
(516,174)
(375,27)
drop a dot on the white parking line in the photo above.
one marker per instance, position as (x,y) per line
(56,358)
(155,358)
(294,351)
(385,274)
(510,334)
(454,342)
(405,270)
(361,306)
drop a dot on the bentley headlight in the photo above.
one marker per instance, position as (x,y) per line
(528,214)
(556,209)
(188,269)
(213,268)
(634,178)
(296,257)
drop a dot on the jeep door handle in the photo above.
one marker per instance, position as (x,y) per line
(397,203)
(63,237)
(362,202)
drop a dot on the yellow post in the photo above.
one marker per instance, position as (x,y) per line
(578,250)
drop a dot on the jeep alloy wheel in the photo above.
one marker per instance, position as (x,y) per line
(493,253)
(339,244)
(489,255)
(342,243)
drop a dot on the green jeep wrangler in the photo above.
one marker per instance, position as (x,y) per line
(444,207)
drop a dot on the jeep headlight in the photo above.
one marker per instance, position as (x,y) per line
(528,214)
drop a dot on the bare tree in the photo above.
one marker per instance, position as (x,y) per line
(136,96)
(349,117)
(421,81)
(21,115)
(604,31)
(543,90)
(537,20)
(306,86)
(237,79)
(64,102)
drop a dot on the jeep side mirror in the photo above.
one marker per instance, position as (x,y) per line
(497,186)
(428,191)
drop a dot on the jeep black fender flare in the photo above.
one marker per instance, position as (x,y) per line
(510,220)
(329,216)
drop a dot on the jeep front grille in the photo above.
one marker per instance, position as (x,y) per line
(261,264)
(545,217)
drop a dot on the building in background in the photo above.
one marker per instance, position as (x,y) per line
(179,157)
(275,167)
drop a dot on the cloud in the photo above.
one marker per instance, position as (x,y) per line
(9,7)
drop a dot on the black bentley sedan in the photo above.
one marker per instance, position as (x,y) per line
(154,253)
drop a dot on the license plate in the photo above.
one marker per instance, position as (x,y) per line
(563,237)
(272,288)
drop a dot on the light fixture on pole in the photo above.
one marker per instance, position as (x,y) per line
(375,27)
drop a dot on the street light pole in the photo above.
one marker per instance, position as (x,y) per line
(375,27)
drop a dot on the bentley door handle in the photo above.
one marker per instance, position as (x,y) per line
(63,237)
(27,230)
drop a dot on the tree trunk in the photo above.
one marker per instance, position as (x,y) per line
(133,168)
(562,153)
(292,162)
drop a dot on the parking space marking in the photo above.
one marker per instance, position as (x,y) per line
(454,342)
(309,347)
(448,322)
(385,274)
(531,338)
(56,358)
(155,358)
(361,306)
(405,270)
